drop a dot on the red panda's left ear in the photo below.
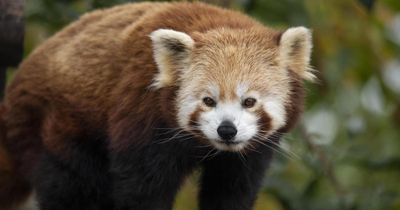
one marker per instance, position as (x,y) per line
(295,51)
(171,51)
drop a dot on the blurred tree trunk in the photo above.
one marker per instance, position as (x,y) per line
(11,36)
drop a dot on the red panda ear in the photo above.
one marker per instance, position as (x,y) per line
(171,51)
(295,51)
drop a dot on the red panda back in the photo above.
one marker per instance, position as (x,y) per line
(84,62)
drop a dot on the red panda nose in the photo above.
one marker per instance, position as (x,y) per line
(227,130)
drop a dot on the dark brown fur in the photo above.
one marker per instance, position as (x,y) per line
(295,108)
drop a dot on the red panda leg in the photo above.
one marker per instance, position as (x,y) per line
(81,183)
(21,142)
(148,177)
(231,181)
(23,120)
(73,175)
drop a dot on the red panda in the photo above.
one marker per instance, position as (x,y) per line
(115,110)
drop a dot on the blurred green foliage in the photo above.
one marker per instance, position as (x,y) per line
(346,152)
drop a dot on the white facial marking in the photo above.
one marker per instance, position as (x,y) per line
(276,110)
(187,106)
(241,89)
(214,91)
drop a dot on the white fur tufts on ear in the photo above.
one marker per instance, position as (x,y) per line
(295,51)
(171,52)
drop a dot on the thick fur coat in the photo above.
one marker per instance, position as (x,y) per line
(88,121)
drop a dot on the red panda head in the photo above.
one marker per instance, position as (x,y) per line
(235,86)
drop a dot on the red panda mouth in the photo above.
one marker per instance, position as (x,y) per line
(233,142)
(232,146)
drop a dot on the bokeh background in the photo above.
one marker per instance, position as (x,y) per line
(345,154)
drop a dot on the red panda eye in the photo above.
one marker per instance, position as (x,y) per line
(249,102)
(209,102)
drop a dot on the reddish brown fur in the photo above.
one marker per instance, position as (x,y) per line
(264,121)
(5,164)
(194,119)
(294,109)
(13,188)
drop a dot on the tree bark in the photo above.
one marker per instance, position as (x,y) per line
(11,36)
(11,32)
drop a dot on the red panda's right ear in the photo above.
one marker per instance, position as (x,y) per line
(171,51)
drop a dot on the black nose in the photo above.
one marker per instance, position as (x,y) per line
(227,130)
